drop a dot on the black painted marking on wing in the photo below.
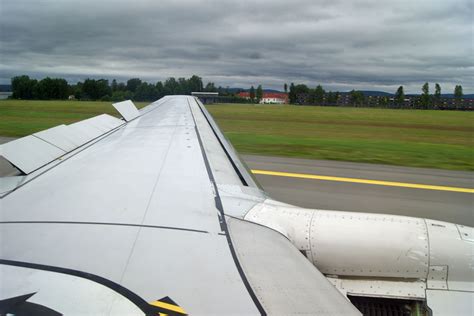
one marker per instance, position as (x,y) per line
(107,224)
(19,306)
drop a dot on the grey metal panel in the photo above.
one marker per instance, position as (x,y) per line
(229,149)
(154,105)
(127,109)
(450,302)
(9,183)
(220,164)
(285,282)
(238,200)
(99,249)
(196,270)
(104,122)
(113,179)
(86,132)
(30,153)
(94,127)
(183,161)
(172,114)
(61,136)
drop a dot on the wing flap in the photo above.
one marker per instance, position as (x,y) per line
(35,151)
(283,280)
(30,153)
(61,136)
(127,109)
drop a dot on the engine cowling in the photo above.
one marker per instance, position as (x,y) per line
(380,255)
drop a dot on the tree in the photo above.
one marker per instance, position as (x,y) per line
(357,98)
(159,90)
(22,87)
(195,84)
(292,94)
(399,96)
(183,87)
(114,85)
(121,86)
(145,92)
(96,89)
(50,89)
(120,95)
(437,94)
(332,98)
(425,97)
(171,86)
(259,93)
(285,88)
(77,90)
(132,84)
(319,95)
(210,87)
(458,92)
(426,89)
(252,93)
(296,91)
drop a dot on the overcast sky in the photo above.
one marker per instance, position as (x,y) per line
(371,44)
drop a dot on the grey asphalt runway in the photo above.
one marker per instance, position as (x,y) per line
(5,168)
(5,139)
(448,206)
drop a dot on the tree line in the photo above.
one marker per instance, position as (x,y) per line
(24,87)
(302,94)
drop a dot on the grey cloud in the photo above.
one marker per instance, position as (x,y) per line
(366,44)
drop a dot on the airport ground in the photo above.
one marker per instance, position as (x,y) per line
(334,185)
(382,137)
(415,138)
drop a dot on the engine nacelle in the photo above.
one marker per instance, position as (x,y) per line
(381,255)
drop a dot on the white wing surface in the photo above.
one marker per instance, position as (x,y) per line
(147,219)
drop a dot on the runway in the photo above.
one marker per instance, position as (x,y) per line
(439,204)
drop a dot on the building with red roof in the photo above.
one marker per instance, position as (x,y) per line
(269,97)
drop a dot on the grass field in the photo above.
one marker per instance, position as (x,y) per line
(434,139)
(24,117)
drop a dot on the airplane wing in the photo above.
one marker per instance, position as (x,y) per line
(145,216)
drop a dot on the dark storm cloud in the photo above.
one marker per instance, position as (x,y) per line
(340,44)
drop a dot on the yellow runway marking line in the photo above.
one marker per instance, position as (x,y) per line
(363,181)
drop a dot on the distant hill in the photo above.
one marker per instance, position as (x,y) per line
(370,93)
(444,95)
(247,90)
(5,87)
(450,96)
